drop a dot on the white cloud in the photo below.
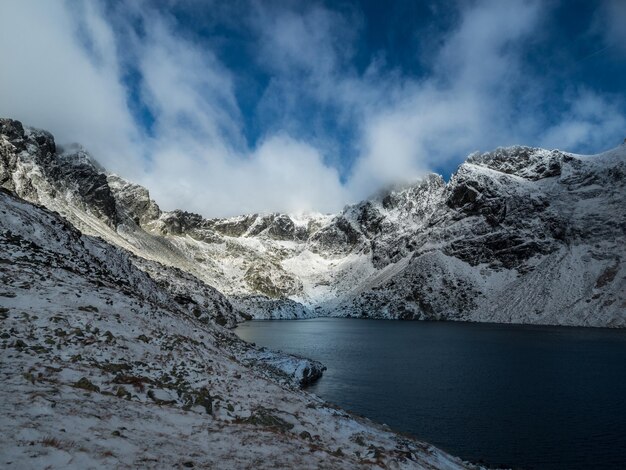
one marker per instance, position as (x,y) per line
(185,85)
(282,174)
(48,80)
(462,106)
(590,122)
(197,158)
(64,69)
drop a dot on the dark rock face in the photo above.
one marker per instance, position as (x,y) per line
(78,172)
(425,290)
(513,222)
(282,228)
(15,142)
(312,373)
(8,162)
(261,224)
(526,162)
(133,201)
(274,226)
(187,223)
(72,173)
(233,227)
(388,226)
(478,197)
(497,249)
(264,307)
(178,222)
(517,223)
(75,172)
(466,195)
(416,200)
(338,237)
(371,221)
(14,132)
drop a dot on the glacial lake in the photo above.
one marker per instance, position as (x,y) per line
(519,396)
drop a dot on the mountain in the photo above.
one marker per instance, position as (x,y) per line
(106,365)
(520,235)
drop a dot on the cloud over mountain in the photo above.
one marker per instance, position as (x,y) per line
(262,106)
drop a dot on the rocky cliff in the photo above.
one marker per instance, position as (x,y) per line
(519,234)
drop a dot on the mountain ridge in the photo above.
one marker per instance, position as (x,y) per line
(477,248)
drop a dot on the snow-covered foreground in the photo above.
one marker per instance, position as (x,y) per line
(103,366)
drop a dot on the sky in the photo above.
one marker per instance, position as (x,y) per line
(230,107)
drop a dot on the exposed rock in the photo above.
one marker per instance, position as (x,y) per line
(521,229)
(527,162)
(133,200)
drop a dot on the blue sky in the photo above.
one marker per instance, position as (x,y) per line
(248,106)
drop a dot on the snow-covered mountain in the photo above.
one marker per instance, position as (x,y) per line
(520,235)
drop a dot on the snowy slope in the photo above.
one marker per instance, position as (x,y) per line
(524,236)
(104,367)
(519,235)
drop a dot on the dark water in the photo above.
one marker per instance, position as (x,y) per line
(521,396)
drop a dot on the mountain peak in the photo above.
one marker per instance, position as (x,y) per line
(528,162)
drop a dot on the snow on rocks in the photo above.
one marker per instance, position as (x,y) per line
(514,227)
(103,367)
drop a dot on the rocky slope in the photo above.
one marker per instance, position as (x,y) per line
(518,235)
(105,365)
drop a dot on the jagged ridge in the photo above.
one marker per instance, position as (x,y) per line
(517,235)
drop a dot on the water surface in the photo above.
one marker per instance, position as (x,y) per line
(522,396)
